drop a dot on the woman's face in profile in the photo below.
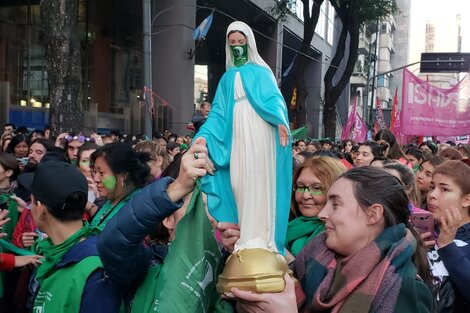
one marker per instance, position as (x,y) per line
(236,39)
(347,228)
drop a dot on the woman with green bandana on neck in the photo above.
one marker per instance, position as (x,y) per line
(119,172)
(71,277)
(312,180)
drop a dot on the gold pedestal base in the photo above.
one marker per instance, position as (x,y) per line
(256,270)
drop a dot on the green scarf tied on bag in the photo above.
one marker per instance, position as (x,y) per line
(300,231)
(53,254)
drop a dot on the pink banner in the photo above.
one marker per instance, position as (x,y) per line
(432,111)
(350,122)
(359,133)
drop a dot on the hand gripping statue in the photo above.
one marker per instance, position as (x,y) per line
(247,135)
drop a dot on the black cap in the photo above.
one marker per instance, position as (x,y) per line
(53,182)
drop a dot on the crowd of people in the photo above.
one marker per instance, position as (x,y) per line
(90,223)
(105,214)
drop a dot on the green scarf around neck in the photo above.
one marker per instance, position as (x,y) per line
(300,231)
(53,254)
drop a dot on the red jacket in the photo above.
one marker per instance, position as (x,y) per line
(25,224)
(7,262)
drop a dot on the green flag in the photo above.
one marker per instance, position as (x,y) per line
(299,133)
(186,281)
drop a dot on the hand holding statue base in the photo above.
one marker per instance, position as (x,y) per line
(256,270)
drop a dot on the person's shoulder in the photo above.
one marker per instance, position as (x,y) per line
(414,296)
(80,251)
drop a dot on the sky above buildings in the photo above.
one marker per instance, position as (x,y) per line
(443,15)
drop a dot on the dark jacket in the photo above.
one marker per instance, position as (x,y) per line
(452,292)
(99,294)
(198,119)
(121,244)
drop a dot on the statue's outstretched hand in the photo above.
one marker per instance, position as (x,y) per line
(283,134)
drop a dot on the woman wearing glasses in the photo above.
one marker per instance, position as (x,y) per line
(312,180)
(311,183)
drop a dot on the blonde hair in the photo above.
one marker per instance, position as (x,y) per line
(327,170)
(154,150)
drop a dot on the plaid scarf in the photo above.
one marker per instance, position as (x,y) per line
(367,281)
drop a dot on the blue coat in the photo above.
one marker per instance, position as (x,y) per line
(121,244)
(264,96)
(99,294)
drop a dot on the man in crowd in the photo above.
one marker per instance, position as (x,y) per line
(201,115)
(8,128)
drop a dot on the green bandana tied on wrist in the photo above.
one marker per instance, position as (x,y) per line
(240,54)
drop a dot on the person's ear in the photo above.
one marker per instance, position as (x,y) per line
(169,223)
(375,213)
(9,173)
(41,209)
(466,201)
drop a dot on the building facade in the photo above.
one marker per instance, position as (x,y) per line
(183,72)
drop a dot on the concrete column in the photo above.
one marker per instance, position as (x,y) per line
(172,70)
(4,102)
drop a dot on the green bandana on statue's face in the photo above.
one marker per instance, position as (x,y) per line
(240,54)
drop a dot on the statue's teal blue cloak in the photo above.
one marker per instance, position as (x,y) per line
(264,96)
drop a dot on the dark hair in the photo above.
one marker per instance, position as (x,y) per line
(299,141)
(408,179)
(161,235)
(394,151)
(9,124)
(122,159)
(73,208)
(451,143)
(458,171)
(236,31)
(48,144)
(86,147)
(434,160)
(9,162)
(431,145)
(345,142)
(464,150)
(171,145)
(15,141)
(38,131)
(376,149)
(418,154)
(316,144)
(327,153)
(383,159)
(450,154)
(21,130)
(306,154)
(173,169)
(375,186)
